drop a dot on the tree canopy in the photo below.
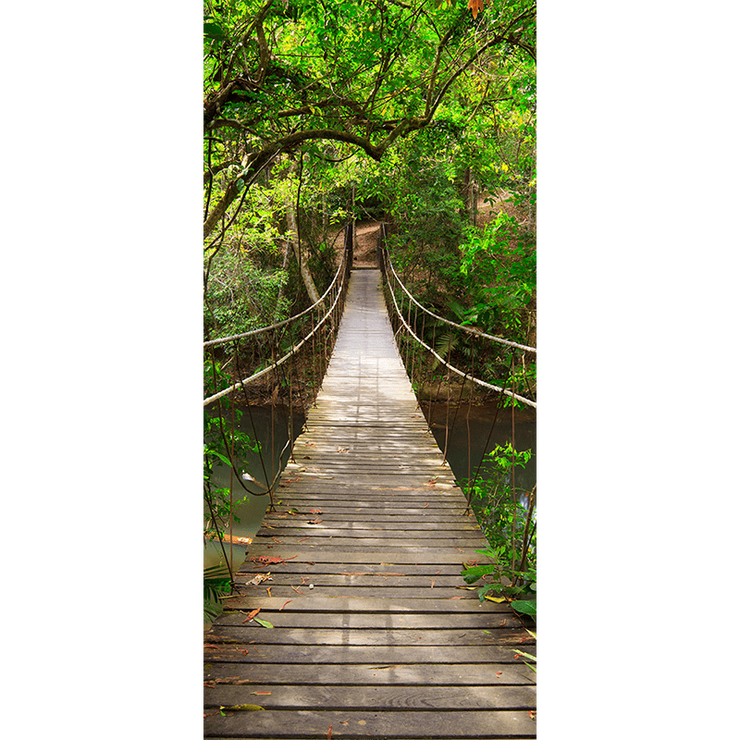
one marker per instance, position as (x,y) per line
(360,72)
(421,104)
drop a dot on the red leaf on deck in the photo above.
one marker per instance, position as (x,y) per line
(500,673)
(328,736)
(285,604)
(262,560)
(252,615)
(317,511)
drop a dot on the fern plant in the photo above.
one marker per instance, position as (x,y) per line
(216,584)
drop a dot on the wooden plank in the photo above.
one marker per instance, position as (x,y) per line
(292,567)
(347,621)
(379,591)
(316,724)
(382,724)
(380,507)
(357,579)
(347,654)
(245,633)
(336,526)
(372,544)
(326,575)
(458,674)
(381,605)
(373,697)
(389,555)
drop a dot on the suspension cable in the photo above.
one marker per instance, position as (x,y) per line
(462,374)
(222,340)
(467,329)
(293,349)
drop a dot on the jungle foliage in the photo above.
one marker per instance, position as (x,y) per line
(418,107)
(507,515)
(419,113)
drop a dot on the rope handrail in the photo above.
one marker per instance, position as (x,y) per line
(223,340)
(285,357)
(467,329)
(463,375)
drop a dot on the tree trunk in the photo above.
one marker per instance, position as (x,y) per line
(294,239)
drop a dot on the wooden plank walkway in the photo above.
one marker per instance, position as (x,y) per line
(373,635)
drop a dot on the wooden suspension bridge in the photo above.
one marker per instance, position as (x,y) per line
(353,620)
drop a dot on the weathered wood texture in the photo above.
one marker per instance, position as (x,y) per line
(375,634)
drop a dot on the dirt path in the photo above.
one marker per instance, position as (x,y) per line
(368,233)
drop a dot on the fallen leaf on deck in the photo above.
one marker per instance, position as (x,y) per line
(285,604)
(262,693)
(258,579)
(497,599)
(263,623)
(243,708)
(317,511)
(262,560)
(230,680)
(315,521)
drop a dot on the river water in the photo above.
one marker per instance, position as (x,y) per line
(470,437)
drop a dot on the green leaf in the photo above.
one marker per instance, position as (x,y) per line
(471,575)
(525,607)
(264,623)
(213,31)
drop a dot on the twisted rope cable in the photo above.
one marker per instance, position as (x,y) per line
(222,340)
(463,375)
(467,329)
(293,350)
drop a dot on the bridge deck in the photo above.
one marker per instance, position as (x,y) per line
(373,635)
